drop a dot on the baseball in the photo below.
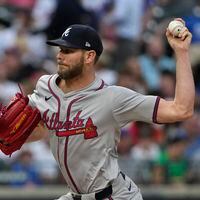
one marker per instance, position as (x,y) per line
(175,27)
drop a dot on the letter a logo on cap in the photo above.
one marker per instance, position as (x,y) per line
(66,33)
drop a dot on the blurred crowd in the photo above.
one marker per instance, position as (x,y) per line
(136,55)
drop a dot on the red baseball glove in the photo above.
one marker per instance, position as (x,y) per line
(17,121)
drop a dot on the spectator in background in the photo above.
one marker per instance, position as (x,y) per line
(103,71)
(7,88)
(146,149)
(196,72)
(125,18)
(31,75)
(133,65)
(125,143)
(163,9)
(192,128)
(6,15)
(193,23)
(96,6)
(3,166)
(45,166)
(125,78)
(16,69)
(159,134)
(4,170)
(25,167)
(21,35)
(145,153)
(138,151)
(171,166)
(167,84)
(153,61)
(42,13)
(69,12)
(22,3)
(158,13)
(192,151)
(107,27)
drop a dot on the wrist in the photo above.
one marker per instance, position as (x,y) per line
(181,53)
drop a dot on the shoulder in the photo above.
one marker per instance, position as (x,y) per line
(44,79)
(118,94)
(119,90)
(43,82)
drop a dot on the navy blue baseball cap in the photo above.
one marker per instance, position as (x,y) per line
(79,36)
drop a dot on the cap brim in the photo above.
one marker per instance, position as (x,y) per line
(62,43)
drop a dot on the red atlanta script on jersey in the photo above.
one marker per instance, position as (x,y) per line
(71,127)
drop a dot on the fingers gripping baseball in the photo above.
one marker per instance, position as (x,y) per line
(17,121)
(183,33)
(178,37)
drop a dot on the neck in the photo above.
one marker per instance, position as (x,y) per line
(76,83)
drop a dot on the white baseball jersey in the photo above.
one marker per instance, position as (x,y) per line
(85,128)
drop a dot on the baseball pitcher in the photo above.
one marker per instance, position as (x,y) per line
(84,115)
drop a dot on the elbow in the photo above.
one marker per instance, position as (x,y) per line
(185,114)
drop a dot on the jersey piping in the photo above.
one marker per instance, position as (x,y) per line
(67,138)
(58,100)
(155,111)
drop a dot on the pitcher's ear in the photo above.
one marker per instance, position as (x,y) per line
(90,56)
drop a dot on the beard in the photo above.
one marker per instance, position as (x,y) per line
(72,71)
